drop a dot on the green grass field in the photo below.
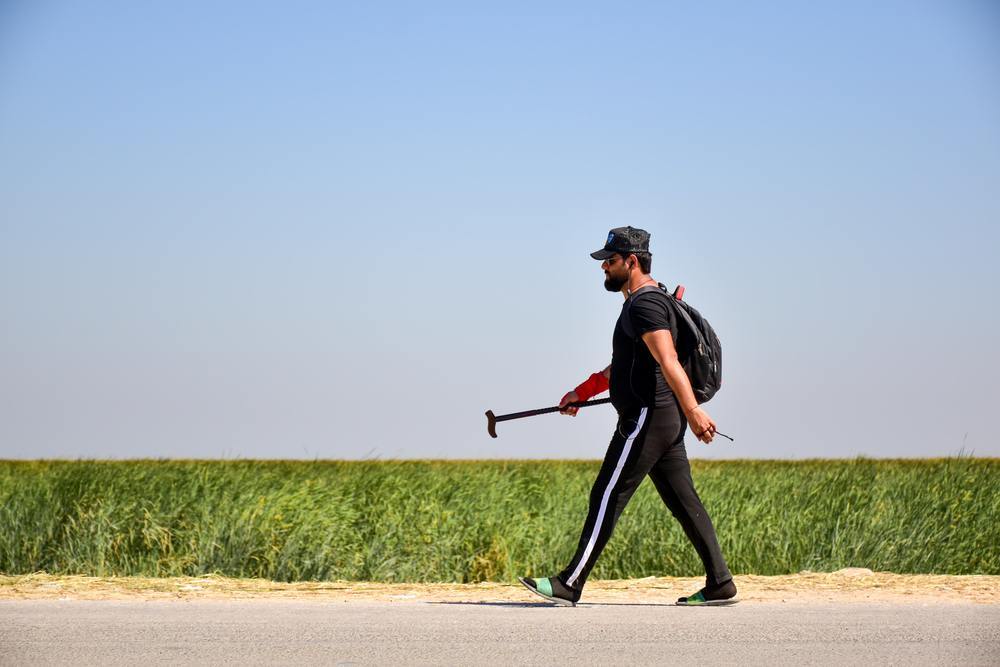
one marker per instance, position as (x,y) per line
(425,521)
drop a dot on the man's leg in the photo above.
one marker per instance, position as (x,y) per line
(628,460)
(672,477)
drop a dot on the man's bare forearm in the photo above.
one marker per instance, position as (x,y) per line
(661,346)
(678,380)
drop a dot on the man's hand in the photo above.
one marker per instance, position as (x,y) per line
(701,425)
(595,384)
(571,397)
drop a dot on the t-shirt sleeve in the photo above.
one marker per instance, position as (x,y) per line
(651,314)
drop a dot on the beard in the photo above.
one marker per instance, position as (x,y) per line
(613,284)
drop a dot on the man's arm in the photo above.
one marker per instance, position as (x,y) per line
(573,397)
(661,346)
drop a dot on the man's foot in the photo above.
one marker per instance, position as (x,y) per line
(551,589)
(717,595)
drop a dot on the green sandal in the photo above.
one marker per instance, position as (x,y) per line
(553,593)
(722,595)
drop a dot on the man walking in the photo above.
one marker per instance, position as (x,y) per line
(655,403)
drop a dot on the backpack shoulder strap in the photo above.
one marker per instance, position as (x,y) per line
(675,304)
(627,321)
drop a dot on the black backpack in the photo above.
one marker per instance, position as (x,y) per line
(698,347)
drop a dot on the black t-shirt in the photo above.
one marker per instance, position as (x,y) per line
(636,379)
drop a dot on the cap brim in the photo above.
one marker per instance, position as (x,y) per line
(603,254)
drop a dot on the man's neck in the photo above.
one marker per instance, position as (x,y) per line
(637,281)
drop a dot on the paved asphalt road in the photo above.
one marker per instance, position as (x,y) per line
(282,631)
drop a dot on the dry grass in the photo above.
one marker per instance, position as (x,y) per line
(853,585)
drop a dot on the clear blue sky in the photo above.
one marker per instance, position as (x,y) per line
(344,230)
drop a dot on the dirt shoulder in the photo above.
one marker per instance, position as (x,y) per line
(854,585)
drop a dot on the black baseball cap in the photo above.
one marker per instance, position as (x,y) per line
(623,241)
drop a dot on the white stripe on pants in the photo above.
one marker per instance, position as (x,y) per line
(607,495)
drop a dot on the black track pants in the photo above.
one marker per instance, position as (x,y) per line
(649,441)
